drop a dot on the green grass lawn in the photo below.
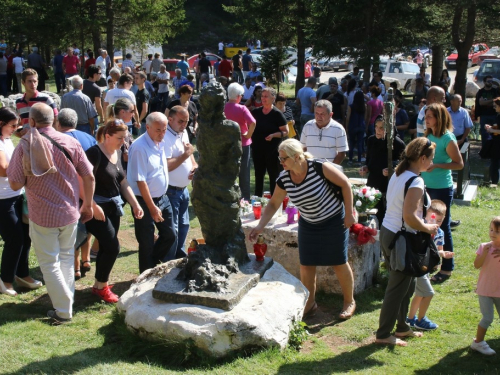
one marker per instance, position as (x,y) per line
(98,342)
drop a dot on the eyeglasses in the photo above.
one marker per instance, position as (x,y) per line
(282,159)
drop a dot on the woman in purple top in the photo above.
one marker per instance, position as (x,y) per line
(374,108)
(240,114)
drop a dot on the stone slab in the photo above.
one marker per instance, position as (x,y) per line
(169,289)
(469,195)
(282,246)
(263,318)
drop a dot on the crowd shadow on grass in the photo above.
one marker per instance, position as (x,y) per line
(120,346)
(356,360)
(466,361)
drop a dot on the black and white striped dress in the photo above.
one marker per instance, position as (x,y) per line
(323,240)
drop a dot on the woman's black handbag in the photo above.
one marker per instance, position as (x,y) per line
(420,252)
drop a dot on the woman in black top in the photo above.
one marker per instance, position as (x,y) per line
(110,181)
(186,92)
(270,128)
(376,162)
(323,229)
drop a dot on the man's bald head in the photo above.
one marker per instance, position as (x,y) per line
(435,94)
(42,115)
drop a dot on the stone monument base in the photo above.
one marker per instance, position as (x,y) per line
(263,317)
(170,289)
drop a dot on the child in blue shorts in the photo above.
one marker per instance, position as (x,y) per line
(423,289)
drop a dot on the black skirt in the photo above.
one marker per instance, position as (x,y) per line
(325,243)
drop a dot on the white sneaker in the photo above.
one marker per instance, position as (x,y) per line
(482,347)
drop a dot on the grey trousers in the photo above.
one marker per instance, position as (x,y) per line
(486,305)
(400,289)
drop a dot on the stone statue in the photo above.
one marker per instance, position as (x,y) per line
(215,197)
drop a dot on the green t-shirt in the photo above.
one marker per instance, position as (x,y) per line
(440,178)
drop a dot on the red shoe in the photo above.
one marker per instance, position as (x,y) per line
(106,294)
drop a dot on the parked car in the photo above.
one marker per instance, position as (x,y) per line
(493,53)
(403,71)
(344,63)
(489,67)
(323,63)
(171,65)
(212,57)
(426,53)
(475,52)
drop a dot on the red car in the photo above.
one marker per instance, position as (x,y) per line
(475,51)
(212,57)
(171,65)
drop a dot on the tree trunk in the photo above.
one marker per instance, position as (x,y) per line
(95,28)
(463,45)
(437,65)
(110,30)
(301,47)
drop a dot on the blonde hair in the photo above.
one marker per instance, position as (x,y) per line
(438,207)
(414,150)
(293,147)
(443,120)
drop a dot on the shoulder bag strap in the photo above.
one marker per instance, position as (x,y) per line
(425,202)
(63,150)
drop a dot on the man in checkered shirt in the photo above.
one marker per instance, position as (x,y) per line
(53,204)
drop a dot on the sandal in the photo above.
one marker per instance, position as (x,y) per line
(78,275)
(349,312)
(85,268)
(391,340)
(409,333)
(311,312)
(439,278)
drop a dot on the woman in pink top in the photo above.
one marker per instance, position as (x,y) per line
(488,285)
(240,114)
(374,107)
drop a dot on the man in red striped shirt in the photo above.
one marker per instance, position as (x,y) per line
(53,204)
(31,96)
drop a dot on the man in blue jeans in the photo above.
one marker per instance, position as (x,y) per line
(181,168)
(147,174)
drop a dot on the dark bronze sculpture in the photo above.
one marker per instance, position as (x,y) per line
(215,198)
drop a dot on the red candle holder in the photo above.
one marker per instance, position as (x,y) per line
(260,249)
(257,210)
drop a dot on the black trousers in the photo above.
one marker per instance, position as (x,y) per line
(106,233)
(265,159)
(164,249)
(17,242)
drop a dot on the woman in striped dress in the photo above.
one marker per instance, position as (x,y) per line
(323,224)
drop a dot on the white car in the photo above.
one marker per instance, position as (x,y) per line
(401,70)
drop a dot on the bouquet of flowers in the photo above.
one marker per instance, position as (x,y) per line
(365,197)
(245,207)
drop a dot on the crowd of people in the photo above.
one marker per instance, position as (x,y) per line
(121,135)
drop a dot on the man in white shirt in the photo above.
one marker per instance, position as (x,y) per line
(181,167)
(162,78)
(147,175)
(221,48)
(101,64)
(425,76)
(146,66)
(248,89)
(125,83)
(323,137)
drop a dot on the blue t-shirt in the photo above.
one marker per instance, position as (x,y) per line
(86,140)
(184,67)
(304,95)
(439,238)
(245,60)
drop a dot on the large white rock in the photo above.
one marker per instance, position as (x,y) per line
(263,318)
